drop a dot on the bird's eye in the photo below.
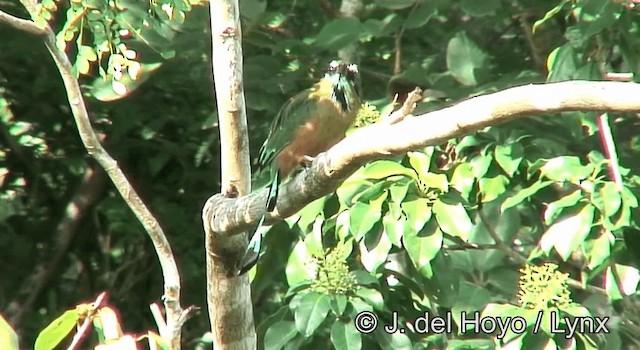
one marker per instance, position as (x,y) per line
(333,66)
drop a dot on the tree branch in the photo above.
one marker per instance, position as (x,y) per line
(520,259)
(232,215)
(90,141)
(21,24)
(229,297)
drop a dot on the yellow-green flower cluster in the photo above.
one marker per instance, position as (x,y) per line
(366,115)
(542,287)
(332,275)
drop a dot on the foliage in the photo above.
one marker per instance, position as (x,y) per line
(401,238)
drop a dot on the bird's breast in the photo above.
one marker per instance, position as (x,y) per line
(325,127)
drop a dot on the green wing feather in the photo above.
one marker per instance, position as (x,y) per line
(292,114)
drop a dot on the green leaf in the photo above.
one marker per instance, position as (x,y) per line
(422,250)
(374,192)
(338,304)
(309,213)
(297,271)
(509,157)
(88,53)
(418,212)
(463,179)
(465,59)
(598,249)
(597,15)
(480,165)
(568,233)
(566,168)
(420,16)
(279,334)
(350,189)
(452,219)
(103,89)
(607,198)
(359,306)
(524,194)
(362,217)
(8,337)
(492,187)
(554,208)
(339,33)
(372,297)
(364,278)
(378,255)
(439,182)
(562,63)
(310,312)
(57,330)
(382,169)
(345,336)
(394,228)
(420,161)
(629,279)
(550,14)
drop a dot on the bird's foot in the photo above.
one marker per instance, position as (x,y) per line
(306,161)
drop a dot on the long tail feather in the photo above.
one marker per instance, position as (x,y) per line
(273,192)
(250,257)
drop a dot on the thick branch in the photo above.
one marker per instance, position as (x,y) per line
(229,297)
(231,216)
(21,24)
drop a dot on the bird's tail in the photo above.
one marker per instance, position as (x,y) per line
(273,192)
(250,257)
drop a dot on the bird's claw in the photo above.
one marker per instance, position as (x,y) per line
(306,161)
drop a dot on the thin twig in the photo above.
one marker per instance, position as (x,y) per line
(408,106)
(97,304)
(508,251)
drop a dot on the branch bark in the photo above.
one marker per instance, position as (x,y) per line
(174,312)
(21,24)
(228,296)
(232,215)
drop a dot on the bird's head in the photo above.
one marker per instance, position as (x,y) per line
(345,84)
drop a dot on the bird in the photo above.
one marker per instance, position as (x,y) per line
(307,124)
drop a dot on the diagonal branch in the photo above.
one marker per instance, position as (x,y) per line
(232,215)
(171,297)
(21,24)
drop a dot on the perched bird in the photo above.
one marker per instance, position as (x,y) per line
(309,123)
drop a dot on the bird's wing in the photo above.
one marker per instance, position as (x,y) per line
(283,128)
